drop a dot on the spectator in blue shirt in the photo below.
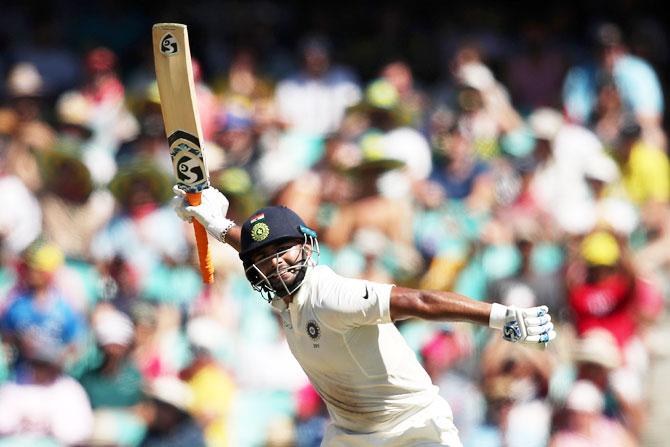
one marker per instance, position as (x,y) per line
(635,80)
(39,309)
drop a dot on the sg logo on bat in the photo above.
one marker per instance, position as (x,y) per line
(169,45)
(188,163)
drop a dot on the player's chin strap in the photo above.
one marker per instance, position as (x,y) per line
(264,286)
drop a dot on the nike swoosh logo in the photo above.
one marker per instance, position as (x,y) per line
(367,294)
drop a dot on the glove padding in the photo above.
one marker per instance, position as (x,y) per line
(530,326)
(211,212)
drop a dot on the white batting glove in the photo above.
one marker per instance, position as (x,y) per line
(530,326)
(211,212)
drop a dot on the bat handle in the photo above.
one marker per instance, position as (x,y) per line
(204,255)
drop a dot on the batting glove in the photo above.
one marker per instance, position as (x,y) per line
(211,212)
(530,326)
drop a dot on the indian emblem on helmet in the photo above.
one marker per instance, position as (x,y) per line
(260,231)
(313,330)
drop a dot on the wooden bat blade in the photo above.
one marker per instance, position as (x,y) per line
(174,75)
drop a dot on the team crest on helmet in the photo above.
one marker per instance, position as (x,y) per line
(260,231)
(313,330)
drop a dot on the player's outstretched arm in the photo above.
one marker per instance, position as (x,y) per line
(532,325)
(211,213)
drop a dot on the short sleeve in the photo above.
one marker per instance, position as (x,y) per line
(343,303)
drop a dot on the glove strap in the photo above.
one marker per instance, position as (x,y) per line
(497,316)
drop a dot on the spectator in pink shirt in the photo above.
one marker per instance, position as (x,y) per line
(586,426)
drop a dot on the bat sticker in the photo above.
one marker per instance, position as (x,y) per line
(169,46)
(189,169)
(189,166)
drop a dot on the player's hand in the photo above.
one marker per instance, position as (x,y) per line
(530,326)
(211,212)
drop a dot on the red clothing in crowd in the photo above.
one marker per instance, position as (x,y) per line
(606,304)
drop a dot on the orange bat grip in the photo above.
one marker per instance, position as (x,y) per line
(205,257)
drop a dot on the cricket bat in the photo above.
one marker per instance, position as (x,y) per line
(174,74)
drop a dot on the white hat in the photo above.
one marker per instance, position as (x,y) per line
(112,327)
(585,396)
(476,75)
(598,346)
(206,333)
(602,168)
(74,108)
(172,391)
(24,79)
(520,295)
(545,123)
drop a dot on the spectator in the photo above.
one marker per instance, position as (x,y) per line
(603,295)
(563,152)
(459,168)
(166,413)
(386,101)
(39,308)
(609,206)
(358,212)
(586,424)
(21,218)
(528,417)
(635,79)
(485,110)
(46,49)
(536,70)
(314,100)
(114,382)
(42,400)
(74,209)
(645,167)
(247,94)
(412,101)
(212,386)
(26,125)
(143,230)
(598,359)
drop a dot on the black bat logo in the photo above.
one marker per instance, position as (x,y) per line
(169,45)
(189,170)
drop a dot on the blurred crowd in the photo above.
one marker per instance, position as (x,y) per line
(544,181)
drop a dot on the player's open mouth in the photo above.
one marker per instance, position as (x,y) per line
(286,275)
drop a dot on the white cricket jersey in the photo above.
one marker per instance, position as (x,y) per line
(340,331)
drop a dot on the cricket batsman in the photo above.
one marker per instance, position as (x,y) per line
(341,330)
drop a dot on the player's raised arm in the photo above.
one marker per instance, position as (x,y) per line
(532,325)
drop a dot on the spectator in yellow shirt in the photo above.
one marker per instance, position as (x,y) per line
(212,386)
(645,168)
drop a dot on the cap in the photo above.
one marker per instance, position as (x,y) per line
(585,396)
(601,168)
(43,256)
(476,75)
(206,333)
(269,225)
(545,123)
(112,327)
(600,248)
(172,391)
(24,79)
(597,346)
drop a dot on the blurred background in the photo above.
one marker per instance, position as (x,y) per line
(511,153)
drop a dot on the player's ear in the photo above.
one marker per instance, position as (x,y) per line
(308,248)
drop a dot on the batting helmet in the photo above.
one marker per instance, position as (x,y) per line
(272,225)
